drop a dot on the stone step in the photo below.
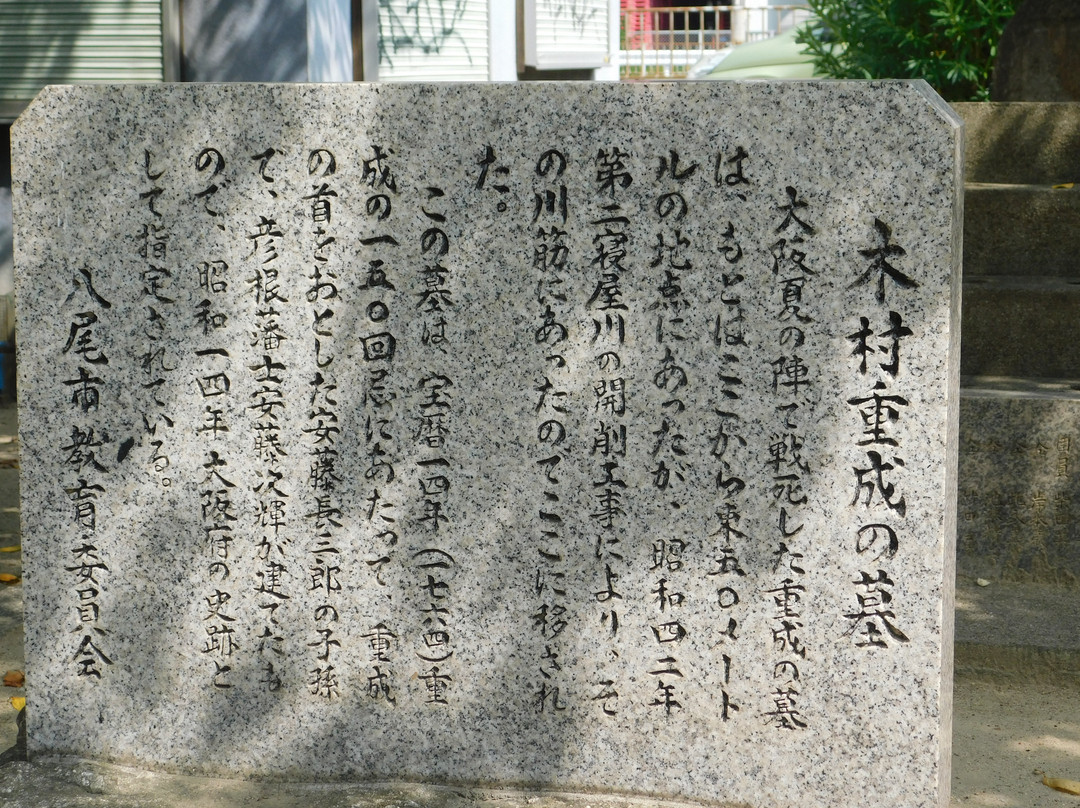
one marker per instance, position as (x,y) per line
(1021,229)
(1026,327)
(1021,142)
(1017,631)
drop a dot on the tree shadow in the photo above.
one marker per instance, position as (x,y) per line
(16,753)
(230,38)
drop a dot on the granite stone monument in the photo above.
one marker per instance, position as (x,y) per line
(592,437)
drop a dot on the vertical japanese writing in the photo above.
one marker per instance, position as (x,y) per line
(210,318)
(793,385)
(156,362)
(727,444)
(83,461)
(382,445)
(879,469)
(607,314)
(219,643)
(550,613)
(323,294)
(434,568)
(208,330)
(1064,447)
(266,410)
(671,308)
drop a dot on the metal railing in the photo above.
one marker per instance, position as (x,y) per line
(666,42)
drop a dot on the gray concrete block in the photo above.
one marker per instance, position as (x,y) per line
(1021,327)
(1025,230)
(1021,142)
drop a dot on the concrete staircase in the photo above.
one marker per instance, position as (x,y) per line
(1021,240)
(1018,534)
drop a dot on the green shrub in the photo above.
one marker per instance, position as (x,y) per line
(950,43)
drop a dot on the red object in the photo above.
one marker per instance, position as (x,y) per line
(638,26)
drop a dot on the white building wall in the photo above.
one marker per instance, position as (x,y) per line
(329,40)
(433,40)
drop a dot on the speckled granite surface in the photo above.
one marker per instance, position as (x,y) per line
(589,436)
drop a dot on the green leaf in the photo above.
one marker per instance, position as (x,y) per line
(950,43)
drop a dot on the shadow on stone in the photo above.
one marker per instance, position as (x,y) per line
(16,753)
(1037,56)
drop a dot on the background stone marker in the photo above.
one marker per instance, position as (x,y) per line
(1017,484)
(596,436)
